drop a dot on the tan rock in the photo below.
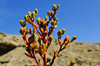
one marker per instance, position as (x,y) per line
(85,54)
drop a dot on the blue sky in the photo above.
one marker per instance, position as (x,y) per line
(78,17)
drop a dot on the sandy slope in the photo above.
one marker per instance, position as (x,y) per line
(12,49)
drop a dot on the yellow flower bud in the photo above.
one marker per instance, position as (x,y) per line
(29,16)
(56,53)
(33,13)
(50,38)
(44,24)
(59,40)
(23,30)
(33,35)
(72,62)
(59,32)
(38,20)
(66,46)
(50,28)
(57,20)
(74,37)
(52,14)
(54,18)
(32,45)
(23,23)
(43,45)
(44,49)
(26,17)
(53,23)
(29,12)
(47,64)
(74,65)
(63,31)
(68,37)
(66,42)
(46,18)
(36,11)
(56,23)
(36,45)
(54,6)
(58,6)
(41,29)
(49,13)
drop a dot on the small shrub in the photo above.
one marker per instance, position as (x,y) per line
(44,41)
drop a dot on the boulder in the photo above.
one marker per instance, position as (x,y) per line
(6,43)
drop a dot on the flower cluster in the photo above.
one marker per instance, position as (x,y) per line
(72,63)
(44,35)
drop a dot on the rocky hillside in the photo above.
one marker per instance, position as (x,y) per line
(12,49)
